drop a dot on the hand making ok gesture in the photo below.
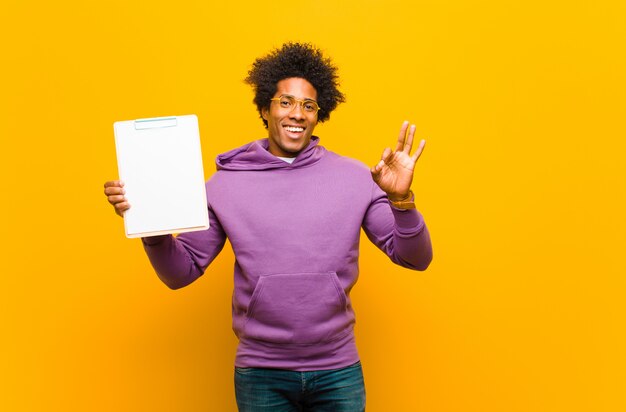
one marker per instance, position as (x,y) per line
(394,173)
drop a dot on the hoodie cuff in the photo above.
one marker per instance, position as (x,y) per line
(154,240)
(409,222)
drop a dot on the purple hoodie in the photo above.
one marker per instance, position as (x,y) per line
(294,229)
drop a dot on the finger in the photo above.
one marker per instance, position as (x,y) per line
(114,190)
(377,167)
(409,140)
(374,171)
(120,208)
(112,183)
(386,154)
(114,200)
(402,136)
(418,151)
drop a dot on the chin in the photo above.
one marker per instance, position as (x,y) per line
(294,148)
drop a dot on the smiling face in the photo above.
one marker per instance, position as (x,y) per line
(290,131)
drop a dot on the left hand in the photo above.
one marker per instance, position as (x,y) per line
(394,173)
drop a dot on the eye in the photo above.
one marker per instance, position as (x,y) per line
(310,106)
(285,102)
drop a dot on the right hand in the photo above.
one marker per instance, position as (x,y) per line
(114,191)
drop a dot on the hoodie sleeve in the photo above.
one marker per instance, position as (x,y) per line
(180,260)
(401,234)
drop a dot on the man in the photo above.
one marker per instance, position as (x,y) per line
(293,212)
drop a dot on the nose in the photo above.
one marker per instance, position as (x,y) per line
(297,112)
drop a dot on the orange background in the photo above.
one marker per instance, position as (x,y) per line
(521,184)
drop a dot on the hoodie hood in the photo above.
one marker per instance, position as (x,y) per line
(256,156)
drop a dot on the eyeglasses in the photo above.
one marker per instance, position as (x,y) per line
(289,103)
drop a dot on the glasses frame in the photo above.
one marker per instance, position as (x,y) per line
(300,102)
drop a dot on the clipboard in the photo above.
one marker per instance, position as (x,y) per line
(160,161)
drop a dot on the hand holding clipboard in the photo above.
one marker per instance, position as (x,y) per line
(160,163)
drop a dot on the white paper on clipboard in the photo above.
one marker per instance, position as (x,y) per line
(160,161)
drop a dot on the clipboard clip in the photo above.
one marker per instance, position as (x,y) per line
(155,122)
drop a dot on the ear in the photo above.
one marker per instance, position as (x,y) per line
(264,113)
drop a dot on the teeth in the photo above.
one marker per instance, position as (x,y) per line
(294,129)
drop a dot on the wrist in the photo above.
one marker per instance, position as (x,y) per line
(407,202)
(400,198)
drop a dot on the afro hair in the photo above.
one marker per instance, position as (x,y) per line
(296,60)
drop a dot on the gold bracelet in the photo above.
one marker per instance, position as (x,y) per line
(406,203)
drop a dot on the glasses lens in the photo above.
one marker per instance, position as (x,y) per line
(286,102)
(289,102)
(310,106)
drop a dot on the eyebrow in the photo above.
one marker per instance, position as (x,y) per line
(306,99)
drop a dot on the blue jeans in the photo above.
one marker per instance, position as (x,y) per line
(277,390)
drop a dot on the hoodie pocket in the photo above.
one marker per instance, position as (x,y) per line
(303,308)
